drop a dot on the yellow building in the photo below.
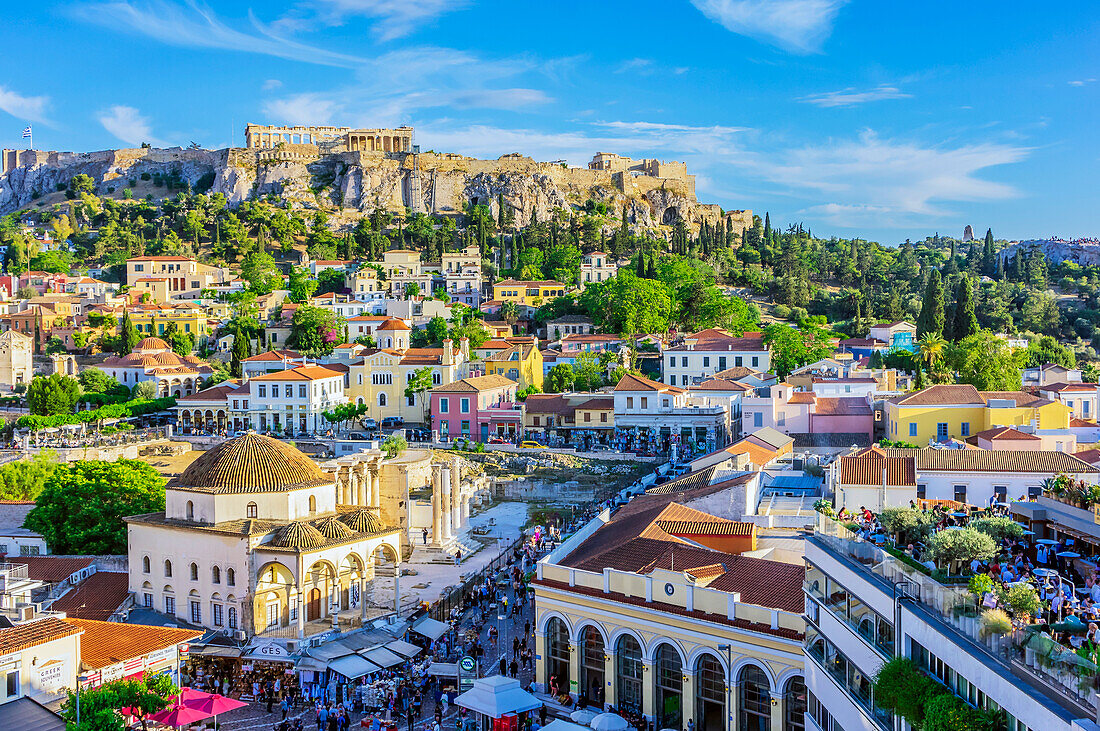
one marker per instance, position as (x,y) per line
(635,612)
(380,377)
(153,319)
(527,293)
(517,359)
(946,412)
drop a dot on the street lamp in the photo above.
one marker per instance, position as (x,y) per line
(729,679)
(80,679)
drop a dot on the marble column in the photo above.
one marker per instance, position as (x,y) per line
(437,503)
(363,594)
(361,485)
(375,487)
(342,478)
(445,505)
(301,617)
(397,587)
(456,495)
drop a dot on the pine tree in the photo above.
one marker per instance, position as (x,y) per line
(931,318)
(1000,272)
(767,227)
(857,321)
(38,332)
(641,266)
(990,266)
(239,353)
(128,337)
(966,322)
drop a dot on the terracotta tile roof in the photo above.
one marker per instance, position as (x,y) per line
(1022,398)
(641,383)
(531,283)
(475,385)
(982,460)
(214,393)
(721,384)
(301,373)
(842,406)
(735,373)
(706,528)
(748,344)
(251,463)
(97,597)
(758,455)
(547,403)
(1003,432)
(801,397)
(1092,456)
(690,481)
(52,569)
(1061,387)
(900,471)
(37,632)
(1075,422)
(941,395)
(272,355)
(393,324)
(672,609)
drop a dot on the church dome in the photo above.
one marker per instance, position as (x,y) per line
(363,521)
(333,529)
(298,534)
(167,358)
(251,463)
(151,344)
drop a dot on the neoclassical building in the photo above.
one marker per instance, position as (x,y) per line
(153,360)
(256,538)
(635,612)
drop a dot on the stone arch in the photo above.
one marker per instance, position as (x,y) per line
(616,635)
(754,698)
(552,615)
(696,656)
(274,595)
(352,571)
(784,678)
(741,663)
(651,653)
(578,631)
(668,684)
(670,216)
(556,647)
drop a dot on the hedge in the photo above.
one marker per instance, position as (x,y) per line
(137,407)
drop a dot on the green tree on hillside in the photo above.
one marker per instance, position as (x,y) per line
(965,321)
(931,319)
(53,394)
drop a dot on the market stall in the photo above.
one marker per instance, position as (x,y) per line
(500,703)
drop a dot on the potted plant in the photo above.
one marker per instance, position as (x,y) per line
(995,625)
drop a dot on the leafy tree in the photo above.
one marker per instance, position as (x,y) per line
(53,394)
(792,348)
(24,479)
(330,280)
(261,273)
(146,390)
(986,362)
(412,289)
(420,381)
(128,337)
(627,305)
(313,331)
(1045,349)
(300,285)
(82,504)
(81,183)
(100,707)
(436,331)
(587,374)
(182,343)
(94,380)
(394,445)
(560,378)
(931,319)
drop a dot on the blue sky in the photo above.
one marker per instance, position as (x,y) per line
(857,117)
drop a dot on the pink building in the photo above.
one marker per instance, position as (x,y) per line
(794,412)
(477,408)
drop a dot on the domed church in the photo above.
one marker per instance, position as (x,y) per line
(254,540)
(153,360)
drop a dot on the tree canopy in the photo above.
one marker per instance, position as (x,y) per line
(53,394)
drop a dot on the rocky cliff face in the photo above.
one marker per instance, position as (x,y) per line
(1084,252)
(358,183)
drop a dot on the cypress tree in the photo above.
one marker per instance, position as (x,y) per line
(652,272)
(641,266)
(128,338)
(988,255)
(767,227)
(931,319)
(1000,274)
(239,353)
(966,322)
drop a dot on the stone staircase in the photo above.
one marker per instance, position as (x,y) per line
(445,555)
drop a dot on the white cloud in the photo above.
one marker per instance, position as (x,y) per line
(873,178)
(271,85)
(850,97)
(1081,82)
(26,108)
(641,65)
(304,109)
(191,25)
(127,124)
(394,18)
(800,26)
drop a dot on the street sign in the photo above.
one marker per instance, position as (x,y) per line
(467,664)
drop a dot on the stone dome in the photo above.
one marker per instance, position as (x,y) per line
(167,358)
(192,359)
(151,344)
(333,529)
(298,534)
(251,463)
(363,521)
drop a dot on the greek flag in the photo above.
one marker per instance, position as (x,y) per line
(27,132)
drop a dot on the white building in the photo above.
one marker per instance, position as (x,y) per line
(659,414)
(153,360)
(1079,398)
(256,538)
(16,358)
(708,352)
(597,267)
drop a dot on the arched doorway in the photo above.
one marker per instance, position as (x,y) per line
(628,671)
(794,705)
(668,687)
(592,666)
(276,597)
(710,694)
(557,655)
(754,699)
(320,590)
(351,573)
(313,606)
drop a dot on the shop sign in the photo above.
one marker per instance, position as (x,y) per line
(112,672)
(157,656)
(265,652)
(51,675)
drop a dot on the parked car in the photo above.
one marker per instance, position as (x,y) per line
(358,435)
(392,422)
(418,435)
(533,445)
(602,448)
(370,424)
(497,440)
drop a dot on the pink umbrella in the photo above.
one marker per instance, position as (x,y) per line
(215,705)
(185,695)
(179,716)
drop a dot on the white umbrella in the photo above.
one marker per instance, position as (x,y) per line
(583,716)
(609,722)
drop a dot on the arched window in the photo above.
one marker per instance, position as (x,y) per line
(167,568)
(230,577)
(668,681)
(628,668)
(232,618)
(592,665)
(194,572)
(436,379)
(710,694)
(794,705)
(312,504)
(754,699)
(251,510)
(216,575)
(145,564)
(381,399)
(190,510)
(557,654)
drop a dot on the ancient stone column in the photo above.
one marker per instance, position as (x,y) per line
(376,487)
(445,500)
(363,594)
(456,495)
(342,479)
(397,587)
(437,503)
(362,482)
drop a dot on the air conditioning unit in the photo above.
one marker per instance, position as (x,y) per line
(24,612)
(239,636)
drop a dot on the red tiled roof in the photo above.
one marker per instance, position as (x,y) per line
(1004,432)
(641,383)
(1092,456)
(941,395)
(706,528)
(1060,387)
(301,373)
(842,406)
(51,569)
(97,597)
(721,384)
(801,397)
(868,470)
(108,643)
(31,634)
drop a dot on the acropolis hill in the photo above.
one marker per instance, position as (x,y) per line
(359,170)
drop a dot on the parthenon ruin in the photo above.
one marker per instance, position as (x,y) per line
(345,138)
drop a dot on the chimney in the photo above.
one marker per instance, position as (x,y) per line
(448,352)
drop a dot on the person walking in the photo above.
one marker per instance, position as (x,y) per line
(284,707)
(424,533)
